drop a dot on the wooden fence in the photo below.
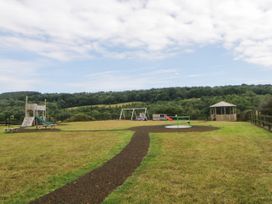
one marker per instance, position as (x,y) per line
(264,121)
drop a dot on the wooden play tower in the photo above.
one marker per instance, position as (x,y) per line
(32,112)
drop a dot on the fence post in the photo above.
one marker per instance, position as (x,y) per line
(264,121)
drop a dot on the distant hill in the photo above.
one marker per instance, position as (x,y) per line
(106,105)
(67,100)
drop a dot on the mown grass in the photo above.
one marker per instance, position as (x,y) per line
(33,164)
(109,125)
(229,165)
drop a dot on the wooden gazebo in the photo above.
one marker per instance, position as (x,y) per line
(223,111)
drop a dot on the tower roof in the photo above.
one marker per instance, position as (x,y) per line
(222,104)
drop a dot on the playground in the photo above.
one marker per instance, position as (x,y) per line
(35,115)
(208,162)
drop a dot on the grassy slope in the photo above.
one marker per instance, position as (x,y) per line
(230,165)
(107,105)
(33,164)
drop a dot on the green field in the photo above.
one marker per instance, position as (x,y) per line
(230,165)
(117,105)
(33,164)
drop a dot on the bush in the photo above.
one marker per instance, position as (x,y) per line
(266,107)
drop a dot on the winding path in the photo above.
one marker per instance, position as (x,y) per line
(94,186)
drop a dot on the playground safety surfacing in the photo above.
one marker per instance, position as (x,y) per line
(178,126)
(96,185)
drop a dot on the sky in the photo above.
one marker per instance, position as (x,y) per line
(115,45)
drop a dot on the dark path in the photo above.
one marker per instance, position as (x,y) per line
(94,186)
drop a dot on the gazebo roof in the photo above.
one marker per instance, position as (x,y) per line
(222,104)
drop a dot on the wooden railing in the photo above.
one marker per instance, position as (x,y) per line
(264,121)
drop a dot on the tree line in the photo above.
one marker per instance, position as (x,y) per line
(193,101)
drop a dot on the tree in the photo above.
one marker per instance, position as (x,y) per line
(266,106)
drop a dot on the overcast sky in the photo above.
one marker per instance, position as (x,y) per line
(94,45)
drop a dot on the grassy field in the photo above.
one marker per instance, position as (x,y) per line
(109,125)
(107,105)
(32,164)
(229,165)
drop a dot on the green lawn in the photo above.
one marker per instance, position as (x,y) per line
(229,165)
(108,125)
(32,164)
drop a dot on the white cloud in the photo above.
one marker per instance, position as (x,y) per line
(126,80)
(68,29)
(18,75)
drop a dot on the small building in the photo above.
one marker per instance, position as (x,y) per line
(223,111)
